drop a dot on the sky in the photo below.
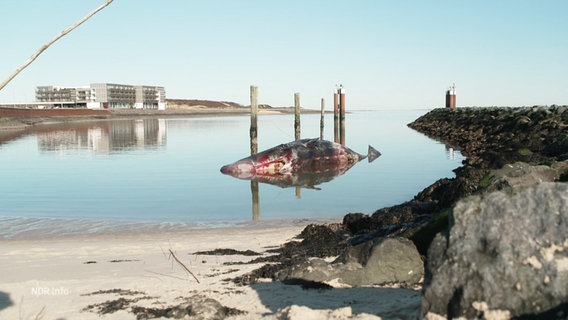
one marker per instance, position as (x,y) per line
(386,54)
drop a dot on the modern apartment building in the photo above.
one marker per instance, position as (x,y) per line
(104,95)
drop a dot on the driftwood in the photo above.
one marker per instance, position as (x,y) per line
(45,46)
(173,256)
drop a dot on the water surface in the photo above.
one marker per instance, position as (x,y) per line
(100,175)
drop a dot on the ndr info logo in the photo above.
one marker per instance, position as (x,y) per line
(49,291)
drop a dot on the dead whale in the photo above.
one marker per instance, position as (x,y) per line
(299,158)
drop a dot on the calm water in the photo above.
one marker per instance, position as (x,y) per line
(96,176)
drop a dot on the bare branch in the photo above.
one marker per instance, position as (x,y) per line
(45,46)
(183,265)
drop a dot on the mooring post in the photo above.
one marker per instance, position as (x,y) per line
(254,150)
(297,130)
(253,120)
(322,118)
(297,115)
(336,115)
(342,115)
(255,200)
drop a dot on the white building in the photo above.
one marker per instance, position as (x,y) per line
(104,95)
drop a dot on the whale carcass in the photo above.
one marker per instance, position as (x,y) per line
(306,156)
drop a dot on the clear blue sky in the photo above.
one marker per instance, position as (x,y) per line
(387,54)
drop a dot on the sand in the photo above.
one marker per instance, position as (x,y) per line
(58,278)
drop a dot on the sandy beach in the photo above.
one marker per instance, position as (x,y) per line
(77,277)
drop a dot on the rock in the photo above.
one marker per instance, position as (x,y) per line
(295,312)
(206,308)
(507,251)
(322,240)
(382,261)
(521,174)
(196,307)
(400,214)
(319,241)
(357,222)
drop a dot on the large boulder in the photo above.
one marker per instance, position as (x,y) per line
(521,174)
(196,307)
(296,312)
(506,250)
(382,261)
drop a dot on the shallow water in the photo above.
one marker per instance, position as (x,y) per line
(92,176)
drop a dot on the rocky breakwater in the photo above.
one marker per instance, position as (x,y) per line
(505,254)
(492,137)
(493,240)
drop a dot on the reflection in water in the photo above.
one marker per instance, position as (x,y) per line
(308,180)
(302,163)
(255,200)
(450,153)
(106,137)
(298,180)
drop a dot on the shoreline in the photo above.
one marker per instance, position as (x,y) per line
(78,228)
(17,119)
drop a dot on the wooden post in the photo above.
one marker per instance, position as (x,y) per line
(322,118)
(336,116)
(297,130)
(342,116)
(254,150)
(253,120)
(297,115)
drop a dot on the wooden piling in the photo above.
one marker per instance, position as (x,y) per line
(297,115)
(322,118)
(336,116)
(254,149)
(342,116)
(297,130)
(253,120)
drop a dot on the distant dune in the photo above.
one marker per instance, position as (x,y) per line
(181,103)
(193,103)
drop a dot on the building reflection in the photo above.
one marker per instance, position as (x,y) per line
(105,137)
(450,152)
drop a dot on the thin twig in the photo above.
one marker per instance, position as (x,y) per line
(182,265)
(40,314)
(164,275)
(45,46)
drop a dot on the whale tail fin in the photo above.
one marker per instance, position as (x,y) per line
(372,154)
